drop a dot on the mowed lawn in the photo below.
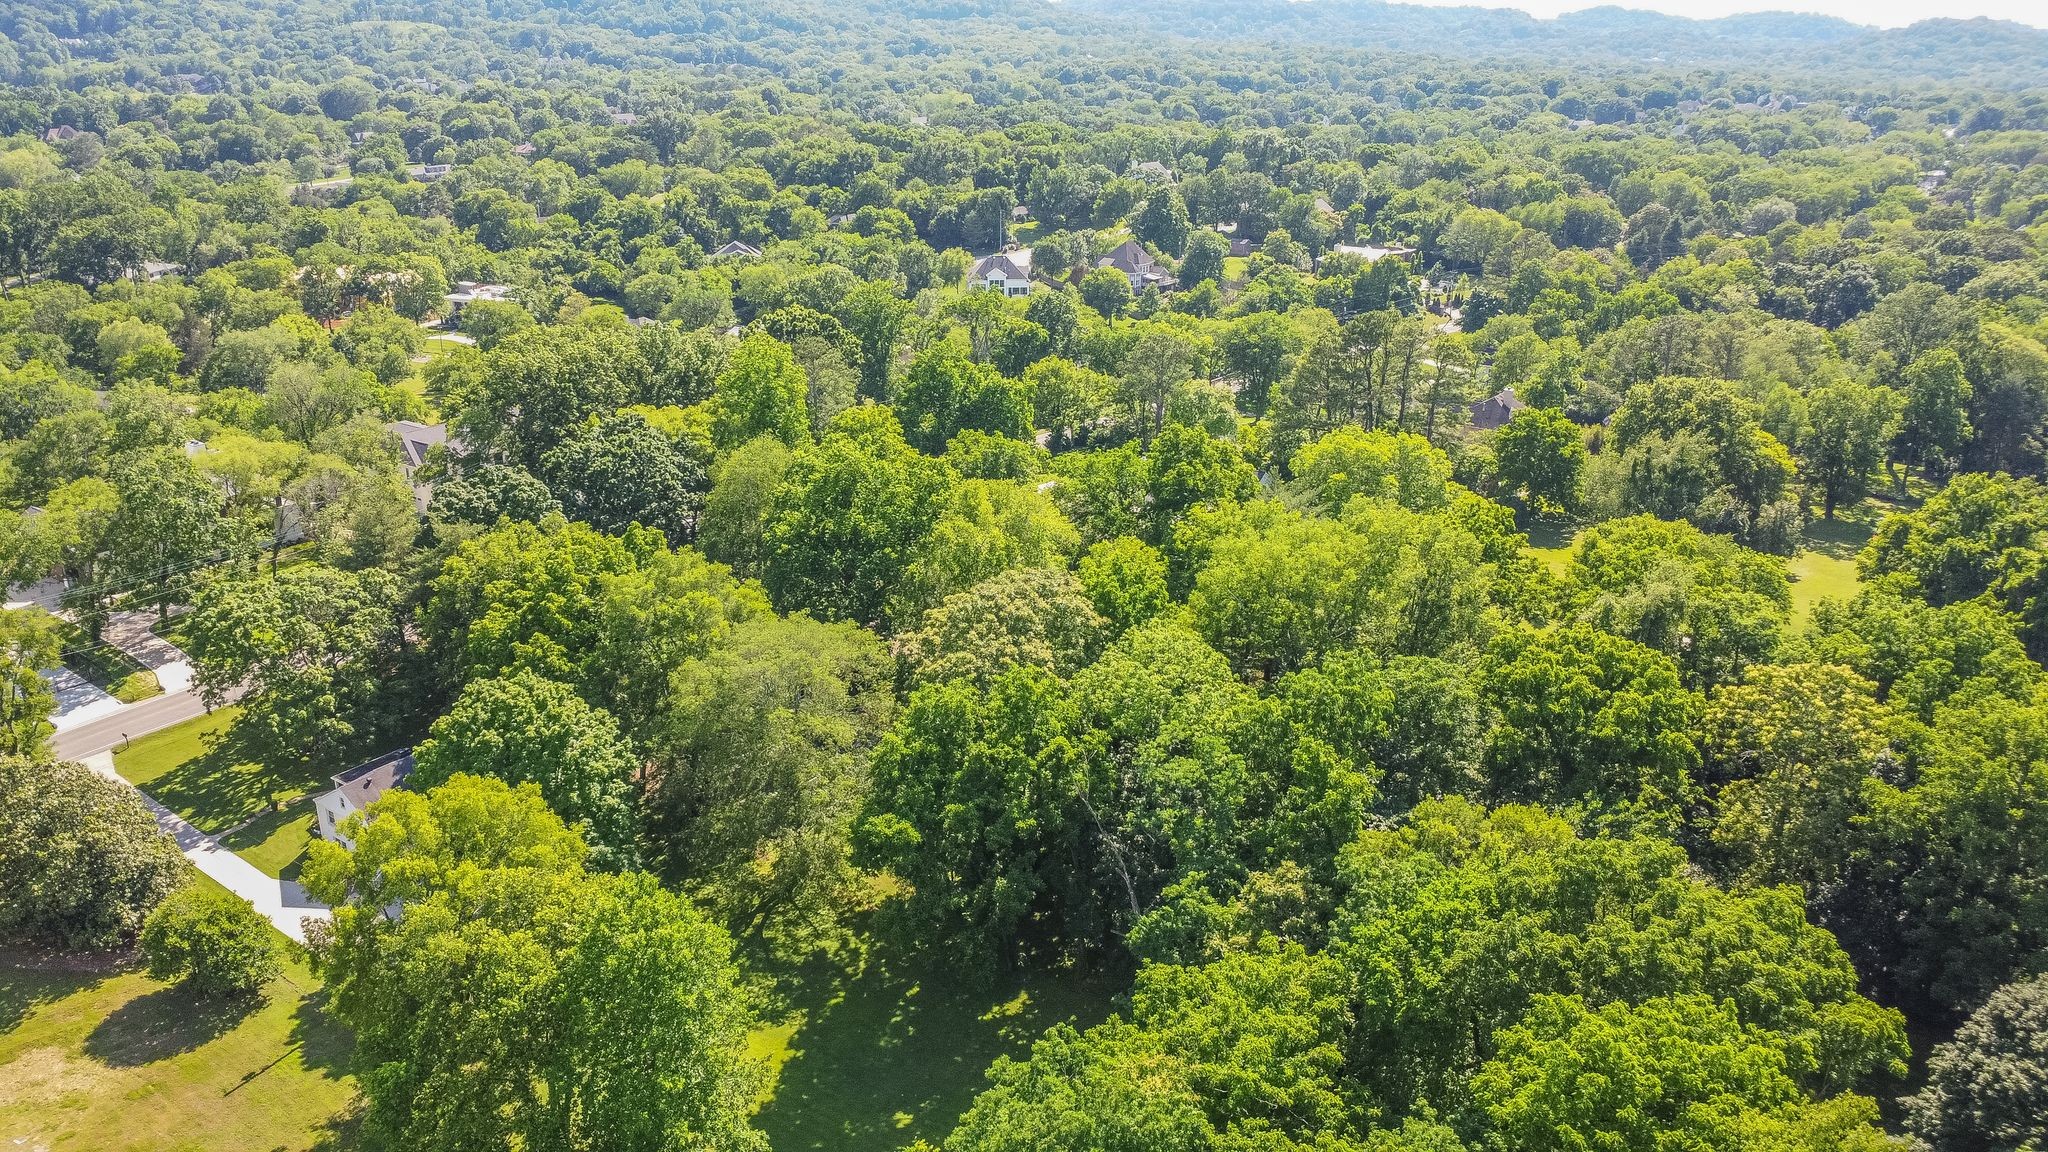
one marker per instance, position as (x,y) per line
(97,1057)
(885,1051)
(1817,576)
(276,842)
(191,769)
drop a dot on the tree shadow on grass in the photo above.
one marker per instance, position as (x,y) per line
(223,786)
(28,979)
(165,1023)
(1842,537)
(892,1048)
(245,841)
(325,1045)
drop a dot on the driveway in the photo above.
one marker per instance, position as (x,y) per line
(129,632)
(79,701)
(283,902)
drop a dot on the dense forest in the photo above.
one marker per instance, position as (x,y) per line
(1488,577)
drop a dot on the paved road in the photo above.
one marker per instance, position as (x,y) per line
(282,902)
(140,719)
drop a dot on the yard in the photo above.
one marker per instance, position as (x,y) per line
(275,842)
(880,1050)
(1818,576)
(98,1057)
(191,769)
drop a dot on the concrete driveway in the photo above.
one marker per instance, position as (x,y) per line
(283,902)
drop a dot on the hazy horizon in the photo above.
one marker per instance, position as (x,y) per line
(1876,13)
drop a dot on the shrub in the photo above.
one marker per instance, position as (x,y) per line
(213,940)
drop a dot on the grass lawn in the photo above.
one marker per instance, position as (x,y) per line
(96,1056)
(881,1052)
(189,769)
(1551,542)
(276,842)
(1818,576)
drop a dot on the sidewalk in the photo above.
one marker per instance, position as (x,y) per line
(283,902)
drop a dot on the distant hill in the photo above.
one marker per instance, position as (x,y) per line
(1991,51)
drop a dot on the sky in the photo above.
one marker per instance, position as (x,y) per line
(1884,13)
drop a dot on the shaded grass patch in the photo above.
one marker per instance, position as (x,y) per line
(194,770)
(883,1049)
(108,1060)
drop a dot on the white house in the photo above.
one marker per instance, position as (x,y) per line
(1371,253)
(739,248)
(468,292)
(1005,272)
(357,789)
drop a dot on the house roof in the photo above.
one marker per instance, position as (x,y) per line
(1012,265)
(1370,253)
(367,781)
(468,292)
(1505,398)
(414,439)
(737,248)
(1129,258)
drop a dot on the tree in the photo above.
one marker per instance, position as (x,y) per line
(213,941)
(481,495)
(1592,720)
(1987,1089)
(1277,591)
(82,862)
(1712,605)
(944,393)
(1108,291)
(1396,466)
(28,645)
(1162,224)
(1851,424)
(1540,455)
(761,392)
(1239,1053)
(874,315)
(1459,923)
(1125,580)
(846,517)
(1036,617)
(514,999)
(347,98)
(1256,351)
(984,527)
(1934,423)
(314,650)
(538,386)
(1670,1071)
(168,522)
(760,768)
(1156,371)
(622,470)
(1794,749)
(1206,250)
(743,484)
(973,805)
(1187,469)
(523,728)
